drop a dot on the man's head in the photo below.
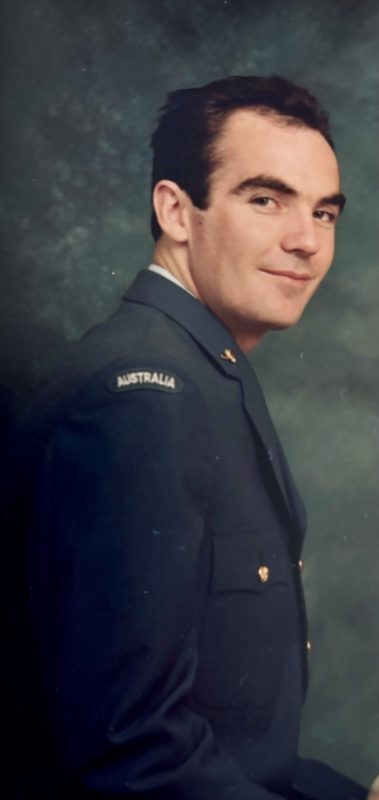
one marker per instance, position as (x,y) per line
(245,188)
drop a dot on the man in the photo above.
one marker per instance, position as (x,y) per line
(166,607)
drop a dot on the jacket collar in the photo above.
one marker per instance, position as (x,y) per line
(152,289)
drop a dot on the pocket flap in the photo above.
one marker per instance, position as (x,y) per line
(247,561)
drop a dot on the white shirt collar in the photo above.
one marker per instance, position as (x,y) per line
(166,274)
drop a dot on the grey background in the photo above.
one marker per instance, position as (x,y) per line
(81,82)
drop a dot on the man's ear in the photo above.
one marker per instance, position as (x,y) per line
(170,205)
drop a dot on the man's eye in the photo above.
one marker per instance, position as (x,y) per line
(325,216)
(265,202)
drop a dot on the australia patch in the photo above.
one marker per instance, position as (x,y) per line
(145,378)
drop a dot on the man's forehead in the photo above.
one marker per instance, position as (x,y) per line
(245,122)
(259,141)
(263,125)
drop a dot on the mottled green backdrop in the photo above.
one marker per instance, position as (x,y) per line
(81,84)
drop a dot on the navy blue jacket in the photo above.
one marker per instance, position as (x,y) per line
(167,615)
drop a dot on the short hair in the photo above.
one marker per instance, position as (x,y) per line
(192,119)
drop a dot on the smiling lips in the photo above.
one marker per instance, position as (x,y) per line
(295,276)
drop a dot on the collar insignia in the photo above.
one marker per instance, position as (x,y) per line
(229,355)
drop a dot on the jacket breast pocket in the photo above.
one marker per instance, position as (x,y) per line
(249,621)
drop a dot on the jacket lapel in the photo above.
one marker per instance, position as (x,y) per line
(256,408)
(154,290)
(257,411)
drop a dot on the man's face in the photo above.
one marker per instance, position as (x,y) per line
(259,251)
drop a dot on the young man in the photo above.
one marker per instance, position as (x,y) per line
(166,607)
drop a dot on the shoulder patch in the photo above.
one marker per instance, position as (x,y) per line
(145,378)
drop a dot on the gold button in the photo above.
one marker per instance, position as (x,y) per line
(309,646)
(300,565)
(264,573)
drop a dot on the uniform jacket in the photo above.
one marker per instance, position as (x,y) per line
(166,608)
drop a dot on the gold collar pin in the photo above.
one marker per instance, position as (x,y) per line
(228,355)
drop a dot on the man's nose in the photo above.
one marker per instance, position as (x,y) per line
(301,235)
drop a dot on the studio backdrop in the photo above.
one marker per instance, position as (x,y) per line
(81,84)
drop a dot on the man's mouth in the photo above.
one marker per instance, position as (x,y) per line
(295,276)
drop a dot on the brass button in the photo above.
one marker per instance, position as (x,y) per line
(309,646)
(300,564)
(264,573)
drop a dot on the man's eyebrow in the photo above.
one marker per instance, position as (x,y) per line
(264,182)
(269,182)
(338,199)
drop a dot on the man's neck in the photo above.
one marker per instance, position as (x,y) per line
(174,260)
(165,273)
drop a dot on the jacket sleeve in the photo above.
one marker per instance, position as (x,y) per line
(121,504)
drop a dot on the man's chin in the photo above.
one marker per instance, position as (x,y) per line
(248,332)
(283,325)
(282,322)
